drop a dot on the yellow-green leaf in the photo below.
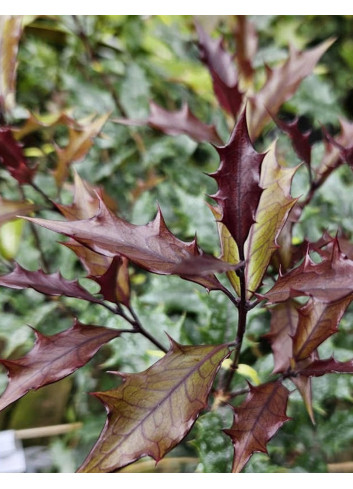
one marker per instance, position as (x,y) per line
(10,238)
(152,411)
(248,372)
(230,252)
(271,214)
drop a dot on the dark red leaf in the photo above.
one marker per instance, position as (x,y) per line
(328,281)
(50,284)
(115,283)
(177,122)
(223,72)
(12,157)
(257,420)
(182,121)
(238,181)
(317,321)
(329,366)
(300,140)
(52,358)
(151,246)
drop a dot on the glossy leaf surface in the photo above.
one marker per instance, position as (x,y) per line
(151,246)
(328,281)
(238,180)
(271,214)
(300,140)
(114,282)
(229,249)
(50,284)
(329,366)
(152,411)
(317,321)
(52,358)
(257,420)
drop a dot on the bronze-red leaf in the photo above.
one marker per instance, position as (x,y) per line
(328,366)
(284,320)
(223,72)
(328,281)
(177,122)
(257,420)
(50,284)
(151,246)
(12,157)
(52,358)
(152,411)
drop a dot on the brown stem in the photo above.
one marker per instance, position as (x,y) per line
(243,308)
(140,329)
(135,323)
(44,195)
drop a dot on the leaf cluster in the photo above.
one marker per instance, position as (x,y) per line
(259,262)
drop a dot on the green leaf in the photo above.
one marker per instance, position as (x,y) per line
(10,238)
(213,448)
(152,411)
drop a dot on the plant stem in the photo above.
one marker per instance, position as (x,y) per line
(45,197)
(140,329)
(135,323)
(243,308)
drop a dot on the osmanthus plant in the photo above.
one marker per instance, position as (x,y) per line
(151,412)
